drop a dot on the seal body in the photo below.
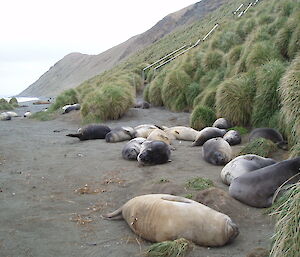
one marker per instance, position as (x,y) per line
(144,130)
(271,134)
(160,135)
(119,134)
(258,187)
(12,114)
(217,151)
(208,133)
(69,108)
(132,148)
(5,116)
(142,104)
(27,114)
(242,165)
(183,133)
(154,152)
(162,217)
(222,123)
(233,137)
(93,131)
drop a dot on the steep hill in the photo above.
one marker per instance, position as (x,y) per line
(75,68)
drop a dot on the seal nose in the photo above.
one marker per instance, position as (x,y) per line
(232,230)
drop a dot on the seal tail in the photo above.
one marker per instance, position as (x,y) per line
(115,215)
(74,135)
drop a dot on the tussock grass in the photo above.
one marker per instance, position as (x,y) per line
(234,54)
(201,117)
(199,183)
(67,97)
(176,248)
(173,91)
(5,106)
(191,92)
(294,43)
(234,99)
(146,93)
(207,98)
(259,146)
(44,116)
(241,130)
(245,27)
(13,102)
(226,40)
(212,60)
(266,101)
(155,95)
(286,239)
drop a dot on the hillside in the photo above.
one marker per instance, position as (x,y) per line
(75,68)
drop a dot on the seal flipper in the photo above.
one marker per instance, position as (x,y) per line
(115,215)
(78,135)
(174,198)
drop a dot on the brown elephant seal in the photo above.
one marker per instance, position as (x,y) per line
(92,131)
(162,217)
(183,133)
(160,135)
(132,149)
(222,123)
(257,188)
(208,133)
(154,152)
(217,151)
(242,165)
(233,137)
(271,134)
(119,134)
(144,130)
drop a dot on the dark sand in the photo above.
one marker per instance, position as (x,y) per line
(43,215)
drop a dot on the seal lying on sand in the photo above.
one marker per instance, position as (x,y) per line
(154,152)
(217,151)
(233,137)
(132,148)
(242,165)
(271,134)
(142,104)
(144,130)
(160,135)
(258,187)
(93,131)
(70,107)
(222,123)
(183,133)
(119,134)
(208,133)
(161,217)
(5,116)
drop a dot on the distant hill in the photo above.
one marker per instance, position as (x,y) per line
(75,68)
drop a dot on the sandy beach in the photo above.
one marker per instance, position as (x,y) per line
(53,189)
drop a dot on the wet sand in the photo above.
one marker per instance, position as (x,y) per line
(46,210)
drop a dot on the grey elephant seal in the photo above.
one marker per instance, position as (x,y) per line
(208,133)
(222,123)
(183,133)
(233,137)
(162,217)
(70,107)
(93,131)
(27,114)
(142,104)
(132,148)
(271,134)
(242,165)
(5,116)
(154,152)
(217,151)
(258,187)
(119,134)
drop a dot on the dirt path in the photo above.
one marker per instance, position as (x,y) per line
(41,169)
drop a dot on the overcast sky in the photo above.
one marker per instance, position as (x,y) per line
(35,34)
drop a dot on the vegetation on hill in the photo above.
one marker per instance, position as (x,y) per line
(7,106)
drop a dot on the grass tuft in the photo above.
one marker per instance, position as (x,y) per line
(67,97)
(241,130)
(201,117)
(260,146)
(199,183)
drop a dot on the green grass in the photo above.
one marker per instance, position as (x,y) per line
(199,183)
(212,60)
(201,117)
(259,146)
(13,102)
(44,116)
(177,248)
(67,97)
(5,106)
(241,130)
(286,239)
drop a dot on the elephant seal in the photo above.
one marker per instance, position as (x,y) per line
(69,108)
(132,148)
(271,134)
(144,130)
(208,133)
(4,116)
(93,131)
(258,187)
(160,135)
(12,114)
(154,152)
(27,114)
(119,134)
(142,104)
(242,165)
(162,217)
(233,137)
(183,133)
(217,151)
(222,123)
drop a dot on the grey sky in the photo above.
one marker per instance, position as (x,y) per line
(35,34)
